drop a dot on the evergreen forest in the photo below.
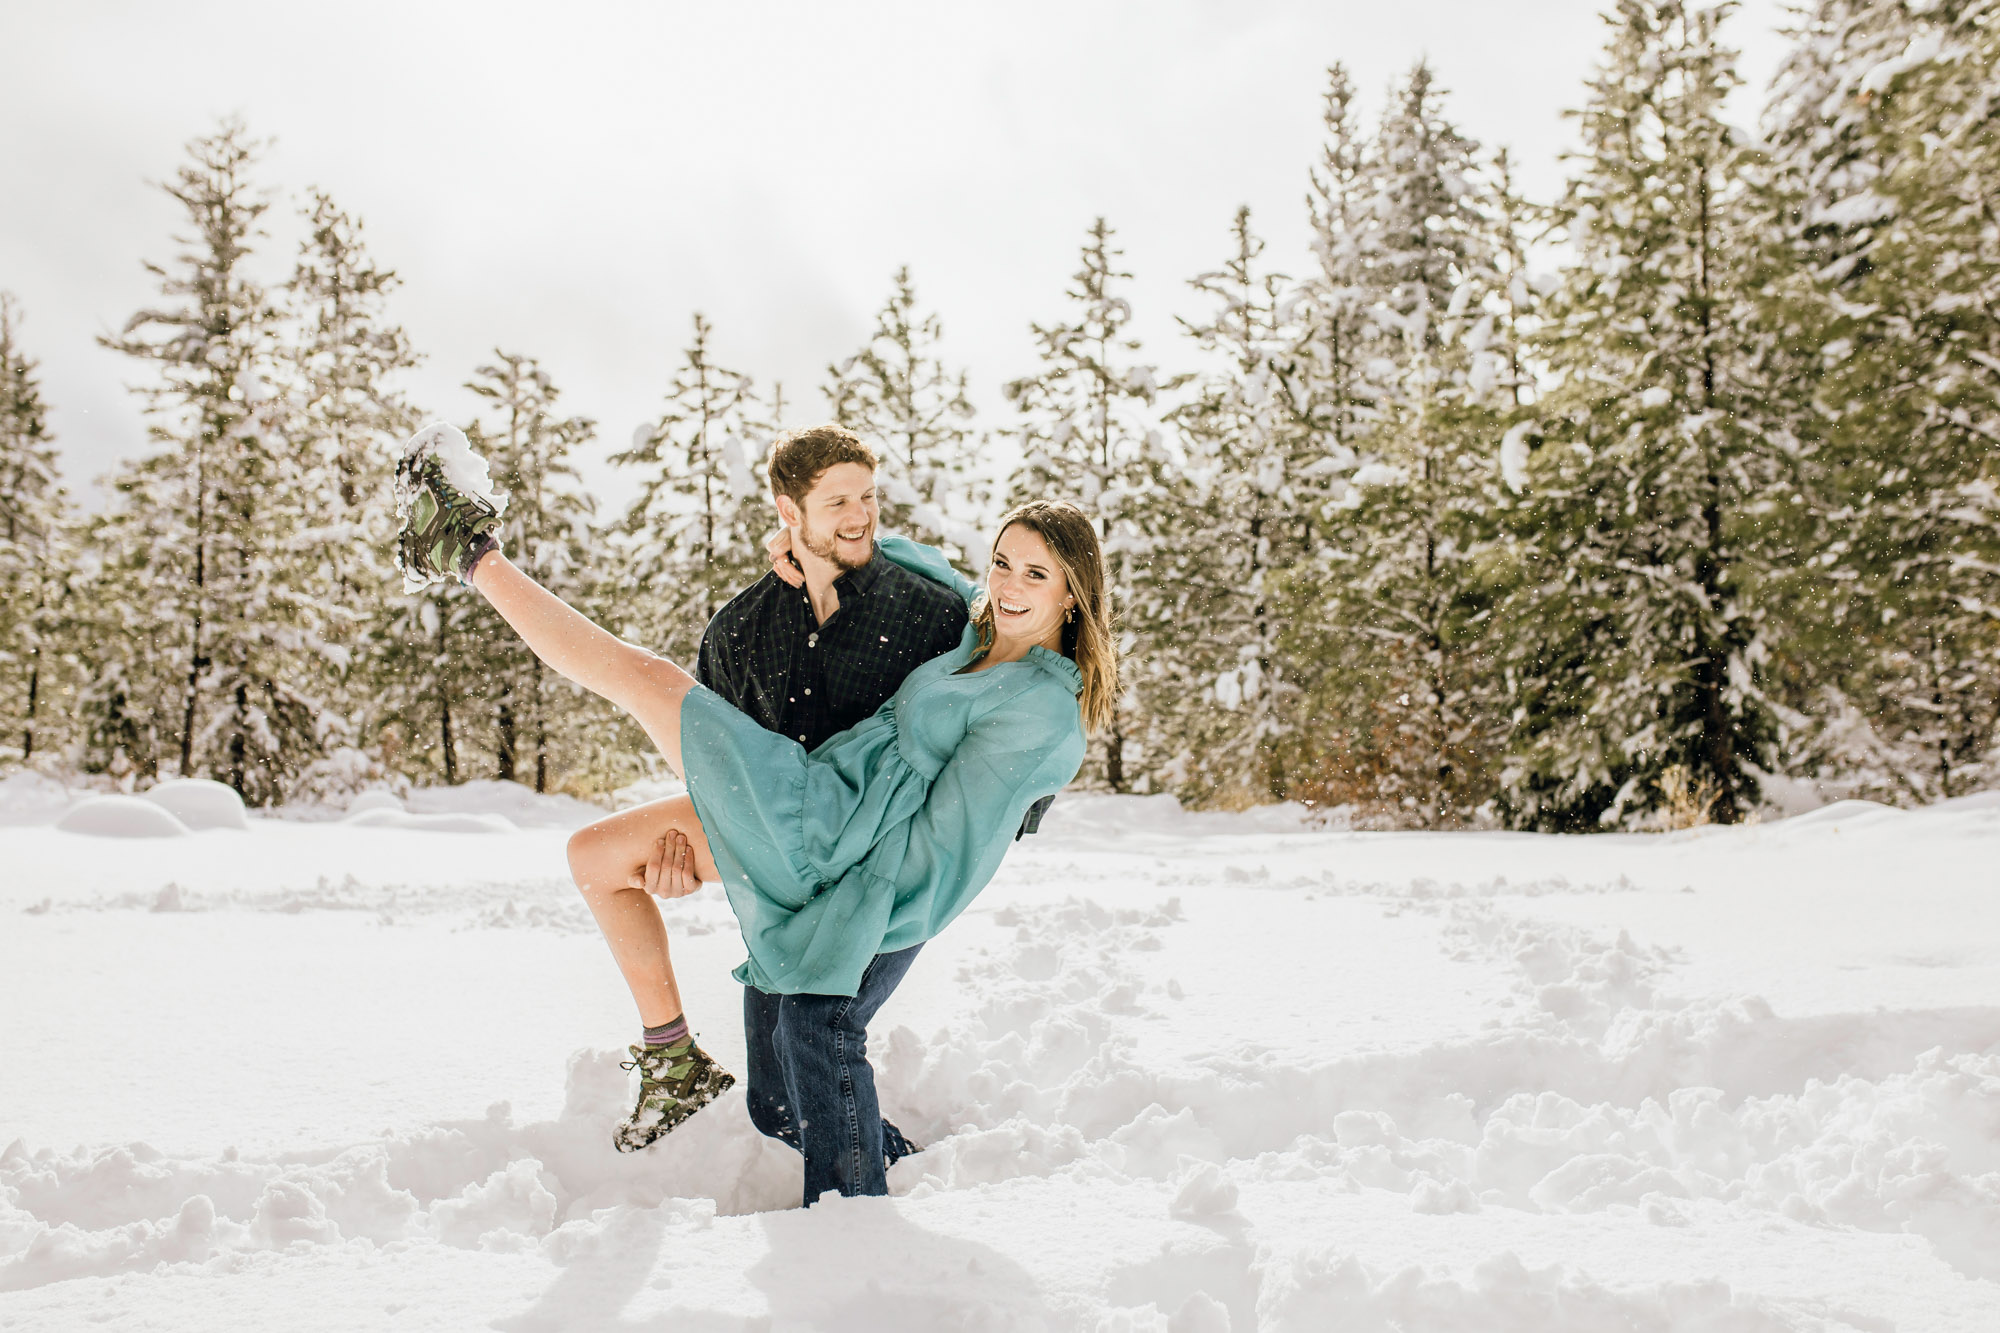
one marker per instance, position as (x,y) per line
(1635,508)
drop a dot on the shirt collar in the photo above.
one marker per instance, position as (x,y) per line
(858,582)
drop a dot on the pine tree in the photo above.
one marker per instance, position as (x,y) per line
(1635,638)
(202,541)
(547,532)
(897,394)
(1087,435)
(344,357)
(432,666)
(36,557)
(694,537)
(1244,510)
(1884,173)
(1339,404)
(1332,303)
(1394,609)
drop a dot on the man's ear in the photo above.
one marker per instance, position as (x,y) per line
(788,512)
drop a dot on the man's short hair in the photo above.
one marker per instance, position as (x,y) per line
(801,458)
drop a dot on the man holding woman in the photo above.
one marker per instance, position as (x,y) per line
(864,735)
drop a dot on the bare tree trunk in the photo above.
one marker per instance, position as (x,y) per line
(34,692)
(541,733)
(196,662)
(444,711)
(238,746)
(505,758)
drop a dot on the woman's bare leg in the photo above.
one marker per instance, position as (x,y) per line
(603,858)
(641,682)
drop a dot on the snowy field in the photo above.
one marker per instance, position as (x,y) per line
(1184,1072)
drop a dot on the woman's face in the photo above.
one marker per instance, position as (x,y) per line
(1026,589)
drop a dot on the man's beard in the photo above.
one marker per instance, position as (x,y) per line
(827,549)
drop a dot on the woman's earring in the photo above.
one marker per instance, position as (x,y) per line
(1069,614)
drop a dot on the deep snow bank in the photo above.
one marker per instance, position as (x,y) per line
(1225,1072)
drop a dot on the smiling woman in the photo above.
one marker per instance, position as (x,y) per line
(1046,564)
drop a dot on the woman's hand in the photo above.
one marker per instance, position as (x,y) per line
(779,547)
(670,871)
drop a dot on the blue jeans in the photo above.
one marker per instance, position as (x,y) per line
(809,1083)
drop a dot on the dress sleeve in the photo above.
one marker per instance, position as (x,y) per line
(1009,760)
(929,562)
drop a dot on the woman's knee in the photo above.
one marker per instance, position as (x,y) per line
(589,849)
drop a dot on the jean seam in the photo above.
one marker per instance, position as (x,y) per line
(847,1105)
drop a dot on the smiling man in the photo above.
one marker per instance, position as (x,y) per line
(807,663)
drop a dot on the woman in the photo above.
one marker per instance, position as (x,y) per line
(872,843)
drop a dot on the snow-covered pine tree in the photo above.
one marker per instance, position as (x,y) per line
(1516,225)
(694,537)
(897,394)
(1339,405)
(1087,434)
(202,539)
(1885,167)
(36,558)
(432,669)
(1332,302)
(1402,594)
(344,356)
(1634,640)
(1224,528)
(546,531)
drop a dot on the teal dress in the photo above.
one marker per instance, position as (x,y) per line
(876,840)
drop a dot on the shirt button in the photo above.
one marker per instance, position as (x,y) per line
(802,739)
(812,640)
(808,691)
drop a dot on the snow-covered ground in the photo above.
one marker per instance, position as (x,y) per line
(1185,1072)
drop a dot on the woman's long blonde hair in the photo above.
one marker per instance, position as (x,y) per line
(1086,638)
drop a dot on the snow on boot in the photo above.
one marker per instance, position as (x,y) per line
(446,502)
(674,1082)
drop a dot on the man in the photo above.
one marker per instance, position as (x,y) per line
(806,664)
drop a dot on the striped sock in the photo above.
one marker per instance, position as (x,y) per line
(666,1034)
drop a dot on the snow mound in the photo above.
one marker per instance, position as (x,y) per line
(489,1184)
(1328,1289)
(375,800)
(1842,812)
(1979,800)
(30,798)
(121,817)
(1086,818)
(464,823)
(522,806)
(647,790)
(200,803)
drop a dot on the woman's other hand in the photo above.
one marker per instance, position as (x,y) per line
(670,871)
(779,547)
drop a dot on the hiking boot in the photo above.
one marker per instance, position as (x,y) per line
(896,1145)
(444,530)
(674,1082)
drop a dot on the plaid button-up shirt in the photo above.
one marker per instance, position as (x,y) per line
(766,653)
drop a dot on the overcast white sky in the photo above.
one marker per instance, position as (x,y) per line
(573,181)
